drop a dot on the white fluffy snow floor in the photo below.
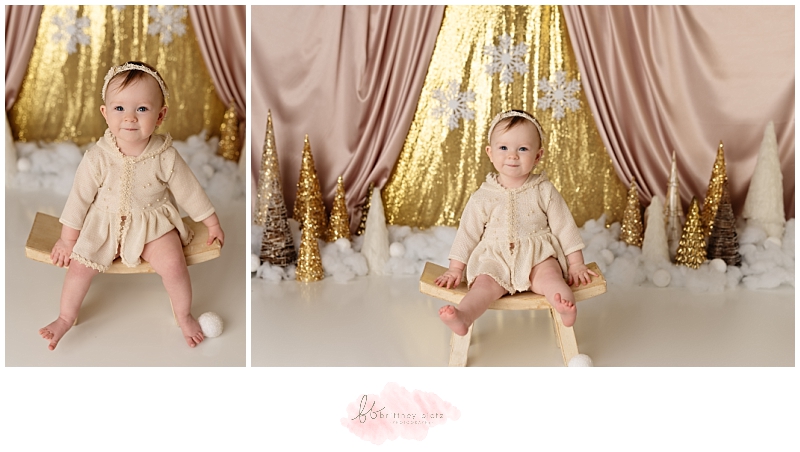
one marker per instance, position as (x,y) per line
(766,263)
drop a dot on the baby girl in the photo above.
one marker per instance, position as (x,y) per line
(516,231)
(120,203)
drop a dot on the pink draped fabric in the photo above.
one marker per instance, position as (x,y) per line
(659,78)
(221,34)
(350,78)
(22,24)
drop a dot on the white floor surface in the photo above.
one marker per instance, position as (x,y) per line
(125,320)
(385,321)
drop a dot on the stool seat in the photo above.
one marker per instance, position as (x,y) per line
(565,336)
(46,231)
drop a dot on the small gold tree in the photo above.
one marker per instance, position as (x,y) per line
(309,210)
(339,225)
(631,232)
(692,247)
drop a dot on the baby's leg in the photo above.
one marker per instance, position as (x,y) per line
(483,292)
(547,280)
(165,254)
(76,284)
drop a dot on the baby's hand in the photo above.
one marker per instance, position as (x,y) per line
(61,252)
(450,278)
(215,232)
(579,274)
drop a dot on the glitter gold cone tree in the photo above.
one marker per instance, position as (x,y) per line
(362,224)
(309,210)
(631,232)
(309,265)
(692,247)
(277,246)
(339,225)
(229,145)
(723,242)
(714,193)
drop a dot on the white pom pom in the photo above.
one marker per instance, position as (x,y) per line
(208,170)
(718,265)
(23,165)
(210,323)
(772,243)
(580,361)
(397,249)
(661,278)
(255,262)
(607,255)
(343,244)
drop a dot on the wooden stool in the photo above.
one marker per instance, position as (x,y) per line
(46,231)
(565,336)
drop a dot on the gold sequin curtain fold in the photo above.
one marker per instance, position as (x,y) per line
(60,95)
(439,166)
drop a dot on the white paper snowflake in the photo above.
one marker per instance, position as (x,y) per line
(506,58)
(559,95)
(70,29)
(453,103)
(167,20)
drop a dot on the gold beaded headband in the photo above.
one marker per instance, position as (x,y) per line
(511,113)
(133,67)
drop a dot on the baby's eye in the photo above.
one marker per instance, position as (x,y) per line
(141,109)
(118,108)
(503,148)
(523,149)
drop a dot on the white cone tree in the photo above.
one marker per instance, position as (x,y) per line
(764,202)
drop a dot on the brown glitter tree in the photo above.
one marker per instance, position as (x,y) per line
(723,242)
(229,145)
(692,247)
(309,265)
(339,225)
(714,193)
(277,246)
(362,224)
(632,229)
(309,210)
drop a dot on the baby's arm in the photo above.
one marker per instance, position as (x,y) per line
(214,230)
(63,247)
(577,270)
(452,277)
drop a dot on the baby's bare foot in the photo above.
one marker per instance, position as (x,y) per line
(55,331)
(567,309)
(191,330)
(452,317)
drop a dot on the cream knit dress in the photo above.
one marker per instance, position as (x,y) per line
(504,232)
(110,186)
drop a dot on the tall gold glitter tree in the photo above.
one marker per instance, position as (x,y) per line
(339,225)
(632,229)
(309,210)
(692,247)
(229,145)
(309,265)
(362,224)
(277,246)
(714,193)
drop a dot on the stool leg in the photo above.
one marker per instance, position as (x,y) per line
(174,317)
(459,348)
(565,337)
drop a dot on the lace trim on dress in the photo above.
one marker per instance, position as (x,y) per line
(87,262)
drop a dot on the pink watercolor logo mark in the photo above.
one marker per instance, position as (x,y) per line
(397,412)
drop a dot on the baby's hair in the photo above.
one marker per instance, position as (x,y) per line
(129,73)
(512,119)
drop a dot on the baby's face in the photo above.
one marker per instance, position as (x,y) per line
(133,112)
(515,152)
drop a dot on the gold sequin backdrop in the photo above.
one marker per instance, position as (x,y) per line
(60,95)
(439,168)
